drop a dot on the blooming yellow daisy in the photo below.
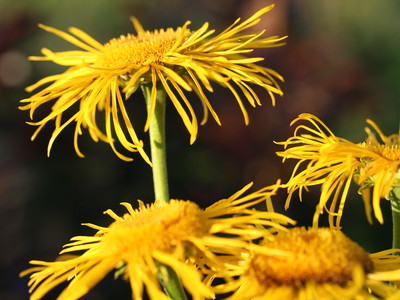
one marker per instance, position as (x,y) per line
(324,264)
(191,241)
(175,60)
(335,162)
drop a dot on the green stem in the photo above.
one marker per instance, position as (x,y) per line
(169,280)
(395,202)
(157,144)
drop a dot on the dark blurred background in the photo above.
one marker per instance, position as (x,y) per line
(341,63)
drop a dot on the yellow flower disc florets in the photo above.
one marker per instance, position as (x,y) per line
(389,152)
(154,227)
(137,50)
(320,255)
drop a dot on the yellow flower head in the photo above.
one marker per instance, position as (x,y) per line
(178,61)
(322,264)
(195,243)
(334,163)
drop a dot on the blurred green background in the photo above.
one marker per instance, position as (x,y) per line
(341,62)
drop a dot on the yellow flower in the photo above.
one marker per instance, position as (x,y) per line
(322,264)
(193,242)
(334,163)
(178,61)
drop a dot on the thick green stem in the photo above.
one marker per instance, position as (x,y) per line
(157,144)
(169,280)
(395,202)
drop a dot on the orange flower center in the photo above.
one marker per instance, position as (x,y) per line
(155,227)
(135,51)
(319,255)
(390,152)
